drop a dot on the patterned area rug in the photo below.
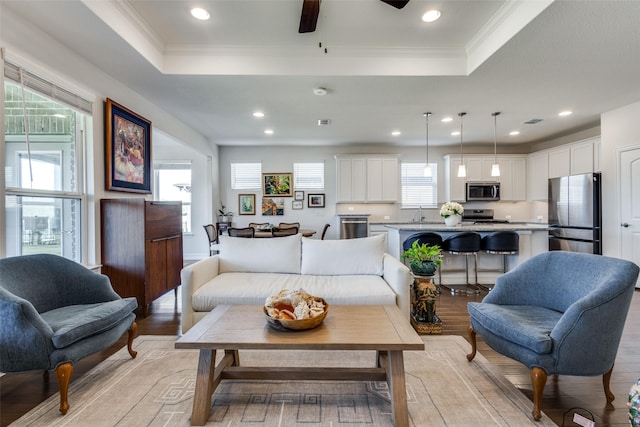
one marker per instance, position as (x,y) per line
(156,389)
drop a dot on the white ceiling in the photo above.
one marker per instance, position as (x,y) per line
(383,67)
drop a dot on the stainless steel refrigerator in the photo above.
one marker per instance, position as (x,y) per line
(575,213)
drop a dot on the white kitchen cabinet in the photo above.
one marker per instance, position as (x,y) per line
(454,187)
(479,168)
(513,178)
(382,179)
(559,162)
(583,156)
(538,172)
(367,178)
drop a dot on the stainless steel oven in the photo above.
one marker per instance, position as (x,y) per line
(483,191)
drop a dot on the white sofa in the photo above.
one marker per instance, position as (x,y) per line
(247,271)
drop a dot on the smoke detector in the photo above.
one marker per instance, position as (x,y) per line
(320,91)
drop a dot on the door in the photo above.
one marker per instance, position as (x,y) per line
(629,167)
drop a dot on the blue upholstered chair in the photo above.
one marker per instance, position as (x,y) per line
(55,312)
(559,313)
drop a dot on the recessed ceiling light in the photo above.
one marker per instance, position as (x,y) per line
(396,133)
(320,91)
(258,114)
(514,132)
(447,119)
(455,133)
(268,131)
(565,113)
(431,15)
(199,13)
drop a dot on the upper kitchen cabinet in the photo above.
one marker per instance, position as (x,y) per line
(538,171)
(559,162)
(512,179)
(367,178)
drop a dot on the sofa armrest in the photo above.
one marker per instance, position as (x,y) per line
(192,277)
(398,277)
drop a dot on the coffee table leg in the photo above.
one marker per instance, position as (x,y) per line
(204,387)
(398,389)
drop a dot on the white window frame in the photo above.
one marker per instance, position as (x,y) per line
(174,165)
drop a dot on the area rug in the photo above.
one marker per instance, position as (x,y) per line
(156,389)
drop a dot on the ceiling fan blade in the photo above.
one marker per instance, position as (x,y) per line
(398,4)
(309,17)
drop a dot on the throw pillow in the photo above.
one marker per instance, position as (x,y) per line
(343,257)
(260,255)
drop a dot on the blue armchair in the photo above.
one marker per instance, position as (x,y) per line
(55,312)
(559,313)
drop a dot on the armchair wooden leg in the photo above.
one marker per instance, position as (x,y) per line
(538,380)
(63,373)
(472,338)
(606,380)
(132,335)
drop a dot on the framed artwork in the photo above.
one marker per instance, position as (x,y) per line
(277,184)
(246,204)
(127,149)
(315,200)
(272,206)
(297,204)
(298,195)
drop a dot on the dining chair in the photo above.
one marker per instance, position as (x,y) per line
(283,225)
(212,235)
(279,232)
(242,232)
(324,231)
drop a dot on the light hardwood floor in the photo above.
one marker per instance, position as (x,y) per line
(21,392)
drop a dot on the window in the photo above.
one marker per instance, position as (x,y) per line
(246,176)
(172,183)
(418,190)
(308,176)
(44,193)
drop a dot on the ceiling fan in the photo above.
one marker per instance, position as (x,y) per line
(311,10)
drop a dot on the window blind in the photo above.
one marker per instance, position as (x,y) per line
(246,176)
(308,176)
(417,189)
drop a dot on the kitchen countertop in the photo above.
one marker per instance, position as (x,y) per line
(464,226)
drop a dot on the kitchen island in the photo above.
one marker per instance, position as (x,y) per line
(533,240)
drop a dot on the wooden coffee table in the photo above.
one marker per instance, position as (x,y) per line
(347,327)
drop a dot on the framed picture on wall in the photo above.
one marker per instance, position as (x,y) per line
(246,204)
(272,206)
(315,200)
(127,150)
(298,195)
(297,204)
(277,184)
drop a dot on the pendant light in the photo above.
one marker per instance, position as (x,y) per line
(427,166)
(462,169)
(495,168)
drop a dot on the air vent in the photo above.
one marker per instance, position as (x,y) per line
(532,121)
(323,122)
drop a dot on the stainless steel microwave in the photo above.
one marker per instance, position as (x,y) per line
(483,191)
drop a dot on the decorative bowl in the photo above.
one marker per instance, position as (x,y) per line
(298,324)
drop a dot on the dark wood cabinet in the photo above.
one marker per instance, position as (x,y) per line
(141,247)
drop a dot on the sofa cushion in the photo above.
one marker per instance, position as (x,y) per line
(252,288)
(76,322)
(534,323)
(275,255)
(343,257)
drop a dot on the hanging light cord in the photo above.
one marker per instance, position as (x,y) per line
(495,137)
(461,152)
(427,125)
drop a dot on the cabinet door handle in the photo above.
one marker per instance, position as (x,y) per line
(625,225)
(164,238)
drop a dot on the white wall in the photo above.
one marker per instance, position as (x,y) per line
(620,129)
(29,45)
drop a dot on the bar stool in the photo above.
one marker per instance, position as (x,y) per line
(500,243)
(464,243)
(431,239)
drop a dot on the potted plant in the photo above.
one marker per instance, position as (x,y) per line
(452,213)
(224,215)
(423,259)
